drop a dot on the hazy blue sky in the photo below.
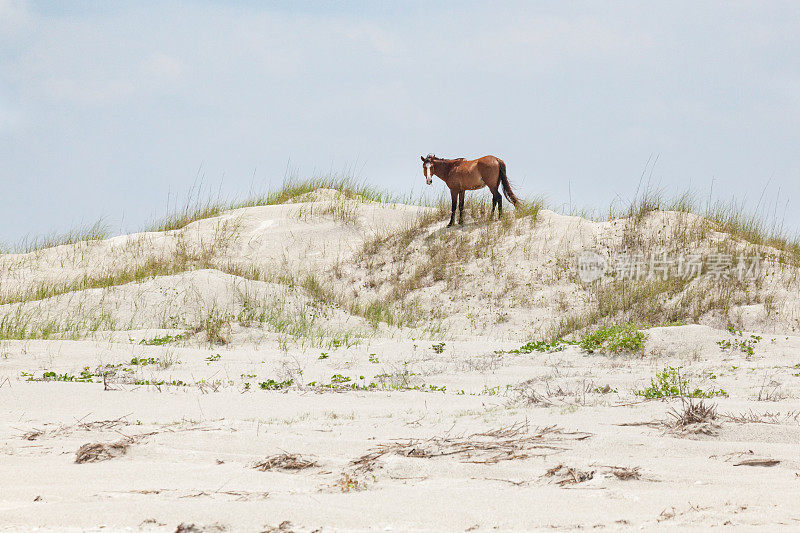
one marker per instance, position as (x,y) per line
(108,107)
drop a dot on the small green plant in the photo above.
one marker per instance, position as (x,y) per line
(373,358)
(669,383)
(161,341)
(52,376)
(271,384)
(623,338)
(386,382)
(158,383)
(212,358)
(142,361)
(85,376)
(746,346)
(540,346)
(323,355)
(438,347)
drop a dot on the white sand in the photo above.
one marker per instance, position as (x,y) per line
(192,447)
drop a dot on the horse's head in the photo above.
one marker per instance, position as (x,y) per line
(427,167)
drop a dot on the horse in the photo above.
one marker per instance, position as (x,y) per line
(462,175)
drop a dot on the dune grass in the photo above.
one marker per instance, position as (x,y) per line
(27,325)
(197,208)
(346,185)
(137,268)
(301,324)
(151,268)
(760,226)
(755,226)
(718,227)
(82,234)
(423,256)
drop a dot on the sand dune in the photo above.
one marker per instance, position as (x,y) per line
(337,364)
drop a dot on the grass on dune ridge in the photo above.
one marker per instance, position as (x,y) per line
(758,227)
(197,209)
(198,206)
(643,301)
(85,233)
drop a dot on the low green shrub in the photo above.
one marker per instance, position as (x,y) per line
(669,383)
(623,338)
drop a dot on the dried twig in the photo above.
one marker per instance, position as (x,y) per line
(93,452)
(241,496)
(568,475)
(625,473)
(758,462)
(32,434)
(732,456)
(502,444)
(648,423)
(790,417)
(284,461)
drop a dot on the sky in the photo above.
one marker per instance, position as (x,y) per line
(116,110)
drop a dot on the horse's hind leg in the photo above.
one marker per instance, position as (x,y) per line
(499,206)
(461,207)
(497,199)
(454,197)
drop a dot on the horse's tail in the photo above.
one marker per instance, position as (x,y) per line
(506,186)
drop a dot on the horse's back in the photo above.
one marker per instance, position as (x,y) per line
(488,159)
(489,166)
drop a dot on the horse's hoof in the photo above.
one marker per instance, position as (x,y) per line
(450,225)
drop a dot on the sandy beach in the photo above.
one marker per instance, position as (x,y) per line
(336,364)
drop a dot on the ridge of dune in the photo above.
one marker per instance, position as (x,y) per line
(514,281)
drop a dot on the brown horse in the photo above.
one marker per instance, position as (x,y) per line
(468,175)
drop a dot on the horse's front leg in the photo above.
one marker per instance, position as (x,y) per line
(461,207)
(454,197)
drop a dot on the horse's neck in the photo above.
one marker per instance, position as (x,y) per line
(443,168)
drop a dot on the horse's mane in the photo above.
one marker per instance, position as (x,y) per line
(443,160)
